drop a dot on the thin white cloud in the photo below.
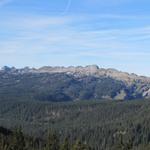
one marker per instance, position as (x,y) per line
(35,22)
(69,40)
(69,2)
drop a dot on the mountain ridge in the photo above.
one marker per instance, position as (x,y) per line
(92,70)
(73,83)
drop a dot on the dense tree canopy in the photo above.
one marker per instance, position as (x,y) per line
(100,125)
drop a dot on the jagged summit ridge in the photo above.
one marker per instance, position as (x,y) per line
(90,70)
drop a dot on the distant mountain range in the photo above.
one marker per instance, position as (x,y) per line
(71,84)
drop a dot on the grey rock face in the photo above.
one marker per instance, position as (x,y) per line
(94,70)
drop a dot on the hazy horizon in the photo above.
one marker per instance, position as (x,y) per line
(111,34)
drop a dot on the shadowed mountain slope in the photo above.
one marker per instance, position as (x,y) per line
(71,83)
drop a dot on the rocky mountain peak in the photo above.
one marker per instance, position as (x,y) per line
(80,71)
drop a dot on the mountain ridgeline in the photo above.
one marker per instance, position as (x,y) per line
(59,84)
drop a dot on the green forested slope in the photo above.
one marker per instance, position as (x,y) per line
(103,125)
(17,140)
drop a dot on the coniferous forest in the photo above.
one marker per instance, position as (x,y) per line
(16,140)
(96,125)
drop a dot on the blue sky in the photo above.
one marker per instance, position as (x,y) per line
(109,33)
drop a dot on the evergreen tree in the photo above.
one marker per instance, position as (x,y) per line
(52,142)
(18,140)
(65,145)
(79,146)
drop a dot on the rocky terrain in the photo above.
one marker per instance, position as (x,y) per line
(91,70)
(73,83)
